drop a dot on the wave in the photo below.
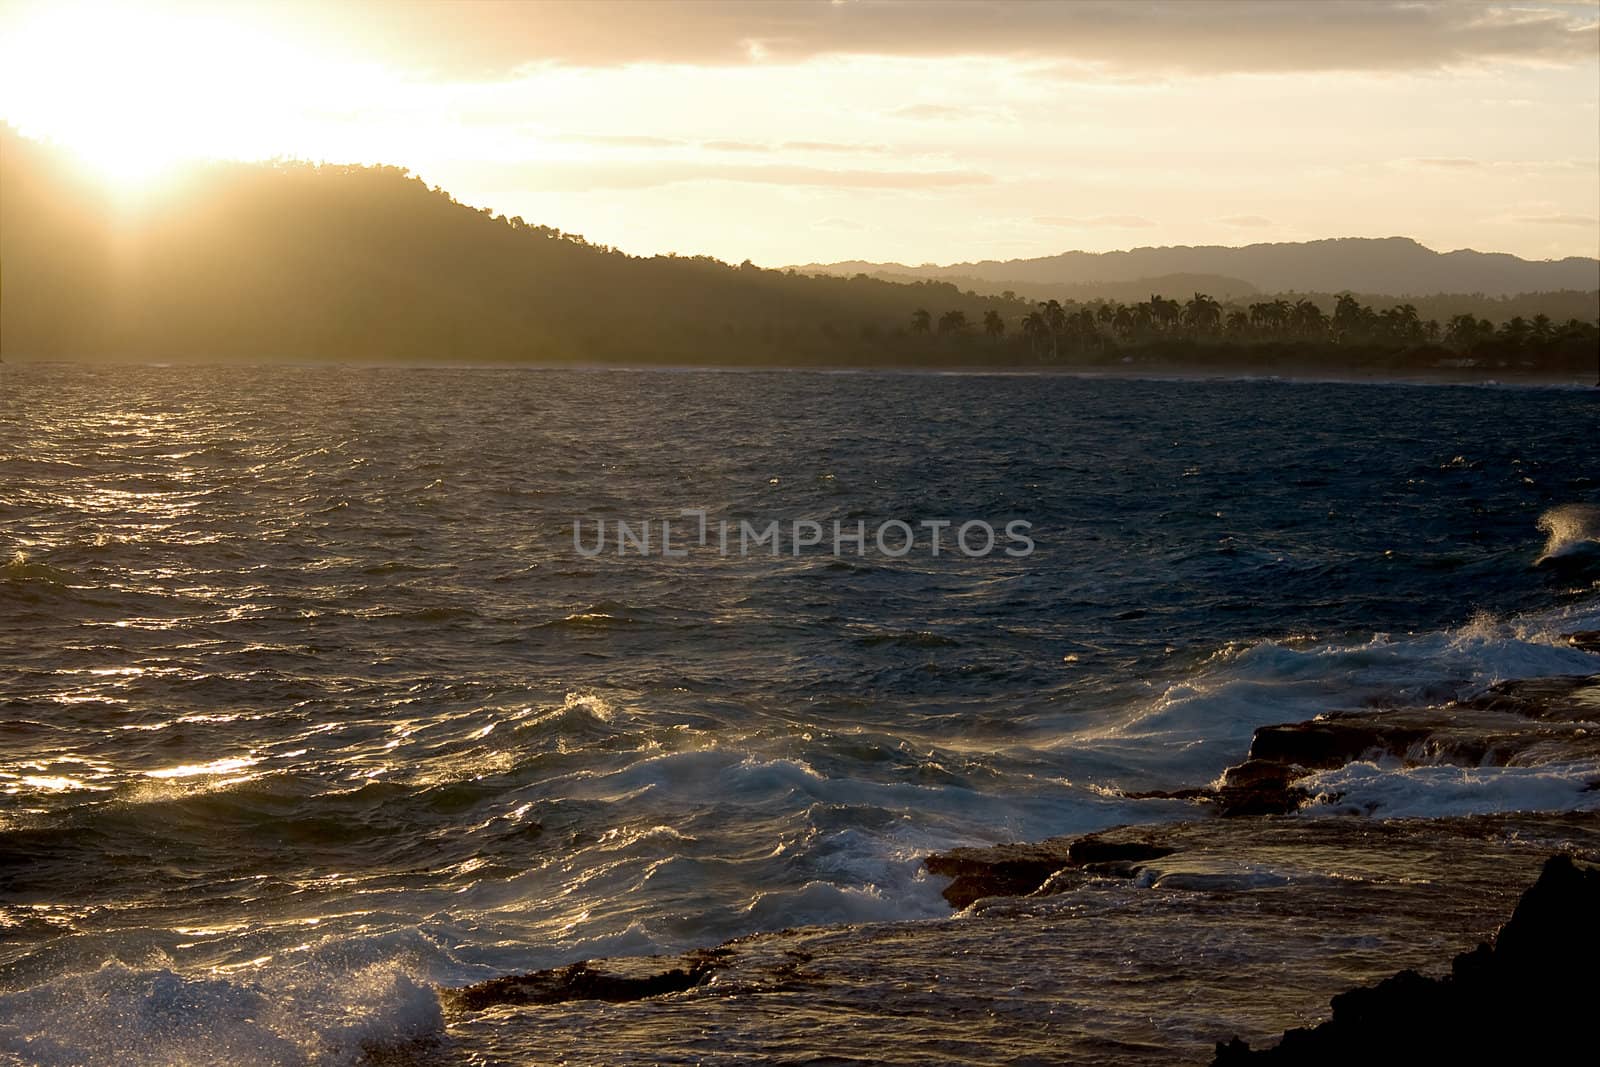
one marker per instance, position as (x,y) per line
(322,1010)
(1199,724)
(1573,534)
(1432,792)
(19,568)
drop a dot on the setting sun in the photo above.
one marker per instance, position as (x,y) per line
(132,94)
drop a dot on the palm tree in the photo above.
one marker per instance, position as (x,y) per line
(1262,315)
(1462,331)
(1144,315)
(921,321)
(1035,329)
(1515,329)
(1348,321)
(1124,322)
(1202,314)
(1238,324)
(1166,313)
(1308,319)
(1055,320)
(993,324)
(953,322)
(1399,323)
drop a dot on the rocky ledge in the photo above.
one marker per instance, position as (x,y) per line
(1523,999)
(1150,945)
(1514,724)
(1154,944)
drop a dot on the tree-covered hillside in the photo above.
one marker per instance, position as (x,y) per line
(297,261)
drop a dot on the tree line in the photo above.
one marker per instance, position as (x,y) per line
(1054,332)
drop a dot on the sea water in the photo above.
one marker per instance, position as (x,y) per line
(308,701)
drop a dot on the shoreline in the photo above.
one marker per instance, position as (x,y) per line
(1260,867)
(1153,372)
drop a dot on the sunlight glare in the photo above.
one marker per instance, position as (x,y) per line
(133,93)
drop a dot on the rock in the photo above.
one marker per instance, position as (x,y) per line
(1586,640)
(1240,925)
(1261,787)
(618,982)
(1018,870)
(1000,871)
(1519,723)
(1563,698)
(1526,999)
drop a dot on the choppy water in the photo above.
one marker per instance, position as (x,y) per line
(306,700)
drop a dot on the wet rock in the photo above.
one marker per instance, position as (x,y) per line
(1585,640)
(1000,871)
(1459,735)
(1241,926)
(1563,698)
(616,981)
(1524,999)
(1261,787)
(1017,870)
(1520,723)
(1102,850)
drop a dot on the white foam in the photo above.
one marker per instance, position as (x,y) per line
(1440,791)
(1573,529)
(1201,724)
(259,1015)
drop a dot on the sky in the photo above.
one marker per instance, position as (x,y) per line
(886,130)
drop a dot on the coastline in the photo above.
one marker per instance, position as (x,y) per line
(1148,943)
(1134,372)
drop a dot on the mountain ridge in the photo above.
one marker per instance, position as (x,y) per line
(1394,266)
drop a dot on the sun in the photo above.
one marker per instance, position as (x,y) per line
(135,93)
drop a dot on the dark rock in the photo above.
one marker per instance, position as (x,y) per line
(1587,640)
(1458,734)
(1519,723)
(1017,870)
(1000,871)
(1563,698)
(1245,923)
(621,981)
(1334,741)
(1098,849)
(1524,999)
(1261,787)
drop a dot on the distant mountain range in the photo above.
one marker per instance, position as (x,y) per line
(1393,266)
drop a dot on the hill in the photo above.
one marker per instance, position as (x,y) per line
(1388,266)
(297,261)
(294,261)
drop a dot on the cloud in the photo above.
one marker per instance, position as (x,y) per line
(1246,221)
(1559,220)
(622,141)
(1447,163)
(635,141)
(937,112)
(835,147)
(494,37)
(588,175)
(1106,222)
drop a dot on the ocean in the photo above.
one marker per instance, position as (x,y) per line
(311,700)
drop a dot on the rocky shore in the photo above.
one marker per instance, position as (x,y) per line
(1523,985)
(1224,935)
